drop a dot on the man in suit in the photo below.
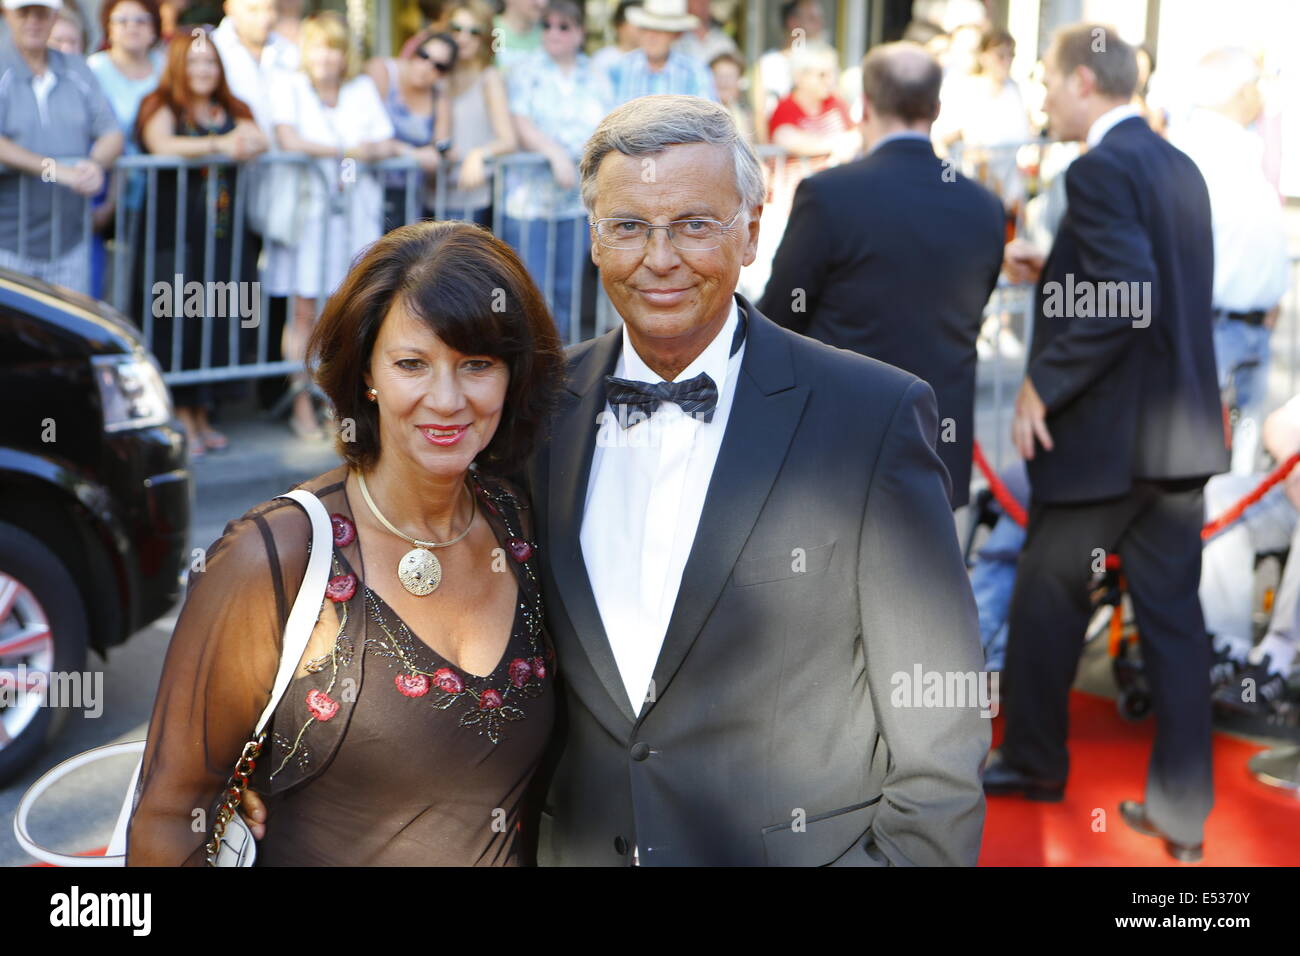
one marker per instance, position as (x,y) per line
(749,560)
(1120,422)
(894,255)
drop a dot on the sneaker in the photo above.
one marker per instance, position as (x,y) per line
(1268,690)
(1224,668)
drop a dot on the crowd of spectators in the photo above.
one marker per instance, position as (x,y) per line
(478,83)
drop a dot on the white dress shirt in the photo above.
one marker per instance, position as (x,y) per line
(41,86)
(1108,120)
(1250,255)
(644,500)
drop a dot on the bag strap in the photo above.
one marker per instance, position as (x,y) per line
(306,607)
(297,632)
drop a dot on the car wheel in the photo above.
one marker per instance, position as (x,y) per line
(42,632)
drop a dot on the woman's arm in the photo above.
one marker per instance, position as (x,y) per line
(494,91)
(159,137)
(292,141)
(799,143)
(216,680)
(442,116)
(534,140)
(378,72)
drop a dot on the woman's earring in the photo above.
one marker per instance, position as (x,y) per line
(372,394)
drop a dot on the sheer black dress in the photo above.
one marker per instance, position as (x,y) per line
(381,752)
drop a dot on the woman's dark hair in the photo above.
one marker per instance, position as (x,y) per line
(418,40)
(472,291)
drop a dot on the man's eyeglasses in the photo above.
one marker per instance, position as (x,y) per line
(472,31)
(688,235)
(564,26)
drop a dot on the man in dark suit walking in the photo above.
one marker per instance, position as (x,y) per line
(1120,421)
(762,621)
(894,255)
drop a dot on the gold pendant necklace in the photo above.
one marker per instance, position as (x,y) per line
(420,571)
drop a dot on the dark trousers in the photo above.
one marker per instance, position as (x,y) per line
(1155,529)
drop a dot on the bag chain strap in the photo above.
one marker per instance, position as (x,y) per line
(234,794)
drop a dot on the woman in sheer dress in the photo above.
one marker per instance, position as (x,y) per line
(415,720)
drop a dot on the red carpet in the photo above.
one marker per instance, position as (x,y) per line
(1250,825)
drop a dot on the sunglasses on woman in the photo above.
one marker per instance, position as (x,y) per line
(442,66)
(564,26)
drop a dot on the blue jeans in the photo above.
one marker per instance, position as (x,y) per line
(554,278)
(993,579)
(1236,342)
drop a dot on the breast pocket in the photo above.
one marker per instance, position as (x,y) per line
(780,565)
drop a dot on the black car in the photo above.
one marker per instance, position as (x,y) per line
(94,500)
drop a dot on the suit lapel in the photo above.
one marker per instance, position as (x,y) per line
(764,415)
(573,442)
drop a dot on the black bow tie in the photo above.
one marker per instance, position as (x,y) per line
(696,396)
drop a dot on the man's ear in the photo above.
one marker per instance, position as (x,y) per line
(751,236)
(1084,80)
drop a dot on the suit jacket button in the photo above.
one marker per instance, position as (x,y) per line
(640,750)
(620,846)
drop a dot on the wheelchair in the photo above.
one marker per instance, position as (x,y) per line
(1112,617)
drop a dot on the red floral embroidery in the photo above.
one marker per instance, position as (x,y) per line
(322,705)
(487,501)
(448,680)
(539,668)
(412,685)
(520,549)
(520,671)
(345,532)
(490,700)
(341,587)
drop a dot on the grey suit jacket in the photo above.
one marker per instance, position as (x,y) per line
(825,564)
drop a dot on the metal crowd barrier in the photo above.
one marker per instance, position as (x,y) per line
(49,263)
(138,263)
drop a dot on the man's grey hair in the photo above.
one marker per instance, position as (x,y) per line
(650,124)
(1221,74)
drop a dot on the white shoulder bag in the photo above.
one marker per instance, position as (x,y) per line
(231,843)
